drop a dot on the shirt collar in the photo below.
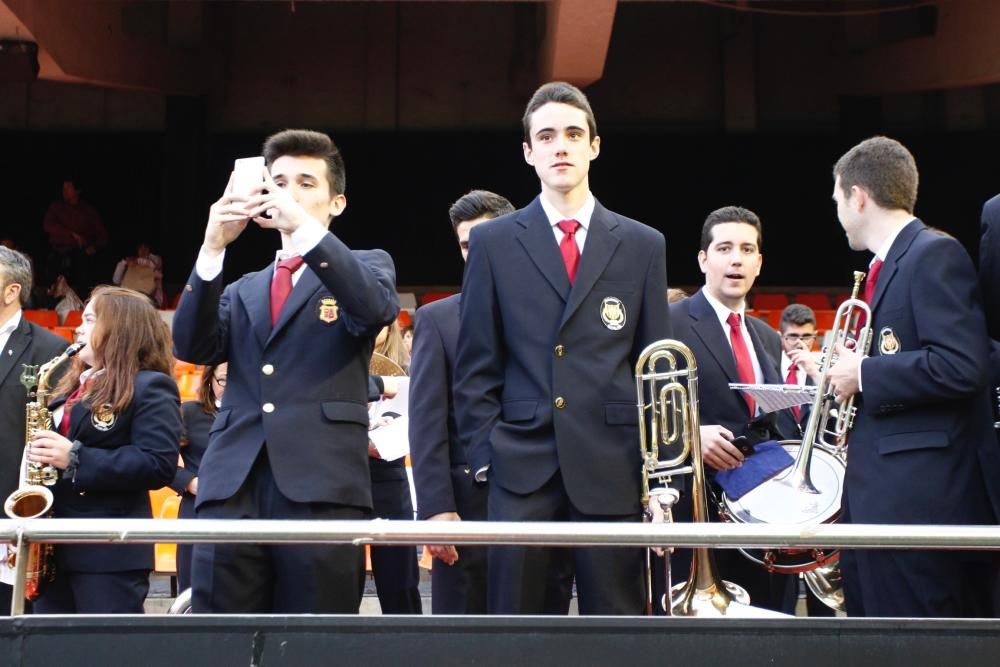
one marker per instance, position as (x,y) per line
(582,216)
(722,312)
(883,250)
(10,326)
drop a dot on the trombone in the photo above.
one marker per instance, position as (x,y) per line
(668,418)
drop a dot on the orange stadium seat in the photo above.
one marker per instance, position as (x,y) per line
(43,318)
(815,300)
(187,386)
(69,333)
(770,301)
(427,297)
(73,318)
(824,319)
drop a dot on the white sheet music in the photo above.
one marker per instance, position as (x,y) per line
(774,397)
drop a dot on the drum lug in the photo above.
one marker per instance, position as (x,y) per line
(769,559)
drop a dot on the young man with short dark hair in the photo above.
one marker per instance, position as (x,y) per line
(922,450)
(559,299)
(291,437)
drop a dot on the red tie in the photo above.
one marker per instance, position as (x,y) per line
(871,282)
(793,378)
(568,248)
(72,400)
(281,285)
(743,364)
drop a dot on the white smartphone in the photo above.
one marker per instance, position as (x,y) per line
(247,174)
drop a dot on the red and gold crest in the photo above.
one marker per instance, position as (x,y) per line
(328,310)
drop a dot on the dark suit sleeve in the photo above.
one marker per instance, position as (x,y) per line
(363,282)
(654,321)
(428,411)
(201,322)
(150,459)
(946,362)
(479,373)
(183,476)
(989,264)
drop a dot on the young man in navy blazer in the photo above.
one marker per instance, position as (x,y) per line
(731,258)
(291,438)
(559,299)
(444,484)
(922,450)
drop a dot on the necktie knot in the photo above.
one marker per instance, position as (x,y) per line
(292,264)
(281,285)
(569,226)
(733,320)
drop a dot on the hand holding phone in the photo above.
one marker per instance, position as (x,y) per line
(743,444)
(247,175)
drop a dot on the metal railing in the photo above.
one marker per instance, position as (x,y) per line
(384,532)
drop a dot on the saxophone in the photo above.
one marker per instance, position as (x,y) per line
(32,498)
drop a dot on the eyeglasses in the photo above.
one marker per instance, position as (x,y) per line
(220,380)
(807,338)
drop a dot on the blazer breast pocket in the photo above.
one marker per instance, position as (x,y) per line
(906,442)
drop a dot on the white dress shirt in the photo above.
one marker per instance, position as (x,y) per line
(582,216)
(7,328)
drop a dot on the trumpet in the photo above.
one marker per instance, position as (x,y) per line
(32,498)
(668,418)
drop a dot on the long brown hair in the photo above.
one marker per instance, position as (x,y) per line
(206,395)
(128,336)
(393,347)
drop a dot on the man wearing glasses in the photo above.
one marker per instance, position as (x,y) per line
(798,361)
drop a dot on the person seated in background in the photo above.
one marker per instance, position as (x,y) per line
(65,297)
(197,417)
(76,234)
(142,272)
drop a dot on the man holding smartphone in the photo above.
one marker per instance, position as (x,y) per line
(290,440)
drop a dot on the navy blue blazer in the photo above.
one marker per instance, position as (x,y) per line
(545,373)
(435,449)
(697,326)
(989,264)
(300,389)
(118,467)
(922,449)
(27,344)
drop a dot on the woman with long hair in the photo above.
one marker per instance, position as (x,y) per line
(116,429)
(393,568)
(197,417)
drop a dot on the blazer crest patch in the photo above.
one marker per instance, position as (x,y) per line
(103,419)
(888,343)
(613,313)
(328,310)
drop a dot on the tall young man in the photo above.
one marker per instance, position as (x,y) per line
(559,300)
(922,450)
(291,437)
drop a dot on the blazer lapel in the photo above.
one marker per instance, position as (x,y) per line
(305,287)
(256,296)
(896,251)
(540,244)
(17,343)
(708,329)
(600,245)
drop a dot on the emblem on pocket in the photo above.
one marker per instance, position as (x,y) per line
(887,341)
(103,419)
(613,313)
(328,310)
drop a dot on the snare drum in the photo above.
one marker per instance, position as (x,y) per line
(777,501)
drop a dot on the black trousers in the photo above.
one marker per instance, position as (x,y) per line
(461,588)
(528,580)
(185,552)
(94,593)
(279,578)
(394,569)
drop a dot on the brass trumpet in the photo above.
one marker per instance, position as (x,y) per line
(668,418)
